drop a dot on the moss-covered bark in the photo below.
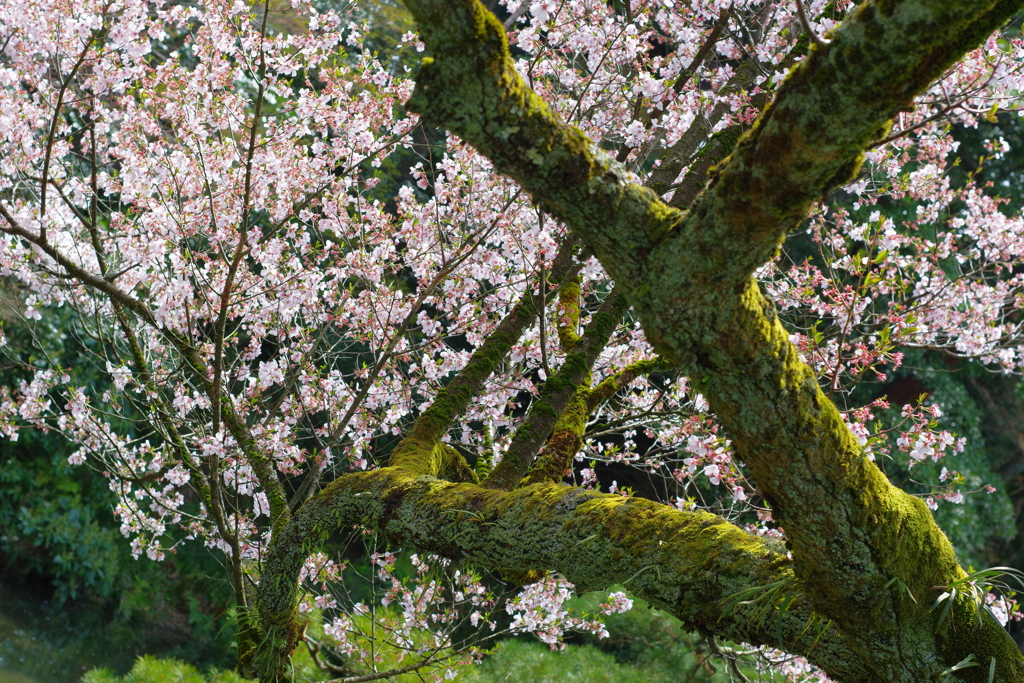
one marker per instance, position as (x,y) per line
(612,385)
(857,543)
(850,531)
(417,452)
(557,393)
(688,563)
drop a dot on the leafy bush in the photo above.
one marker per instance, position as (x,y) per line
(522,661)
(643,646)
(57,528)
(52,521)
(150,669)
(377,642)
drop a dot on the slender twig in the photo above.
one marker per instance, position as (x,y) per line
(815,38)
(7,41)
(520,11)
(53,132)
(243,227)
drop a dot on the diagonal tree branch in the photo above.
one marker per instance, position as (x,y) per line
(613,384)
(556,394)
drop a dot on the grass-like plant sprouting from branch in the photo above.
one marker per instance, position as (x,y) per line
(969,661)
(901,588)
(977,586)
(776,597)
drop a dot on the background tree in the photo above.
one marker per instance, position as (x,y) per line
(281,301)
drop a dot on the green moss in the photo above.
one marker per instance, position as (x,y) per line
(686,563)
(964,637)
(667,655)
(611,385)
(566,439)
(569,300)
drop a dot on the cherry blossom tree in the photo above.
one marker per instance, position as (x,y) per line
(411,291)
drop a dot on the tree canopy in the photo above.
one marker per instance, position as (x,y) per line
(676,236)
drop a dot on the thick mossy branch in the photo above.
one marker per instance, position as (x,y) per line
(556,393)
(469,84)
(454,467)
(688,563)
(690,280)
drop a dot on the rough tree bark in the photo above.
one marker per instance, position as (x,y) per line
(858,547)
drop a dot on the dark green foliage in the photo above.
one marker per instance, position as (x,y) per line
(982,525)
(652,641)
(1005,172)
(60,541)
(985,521)
(55,520)
(521,661)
